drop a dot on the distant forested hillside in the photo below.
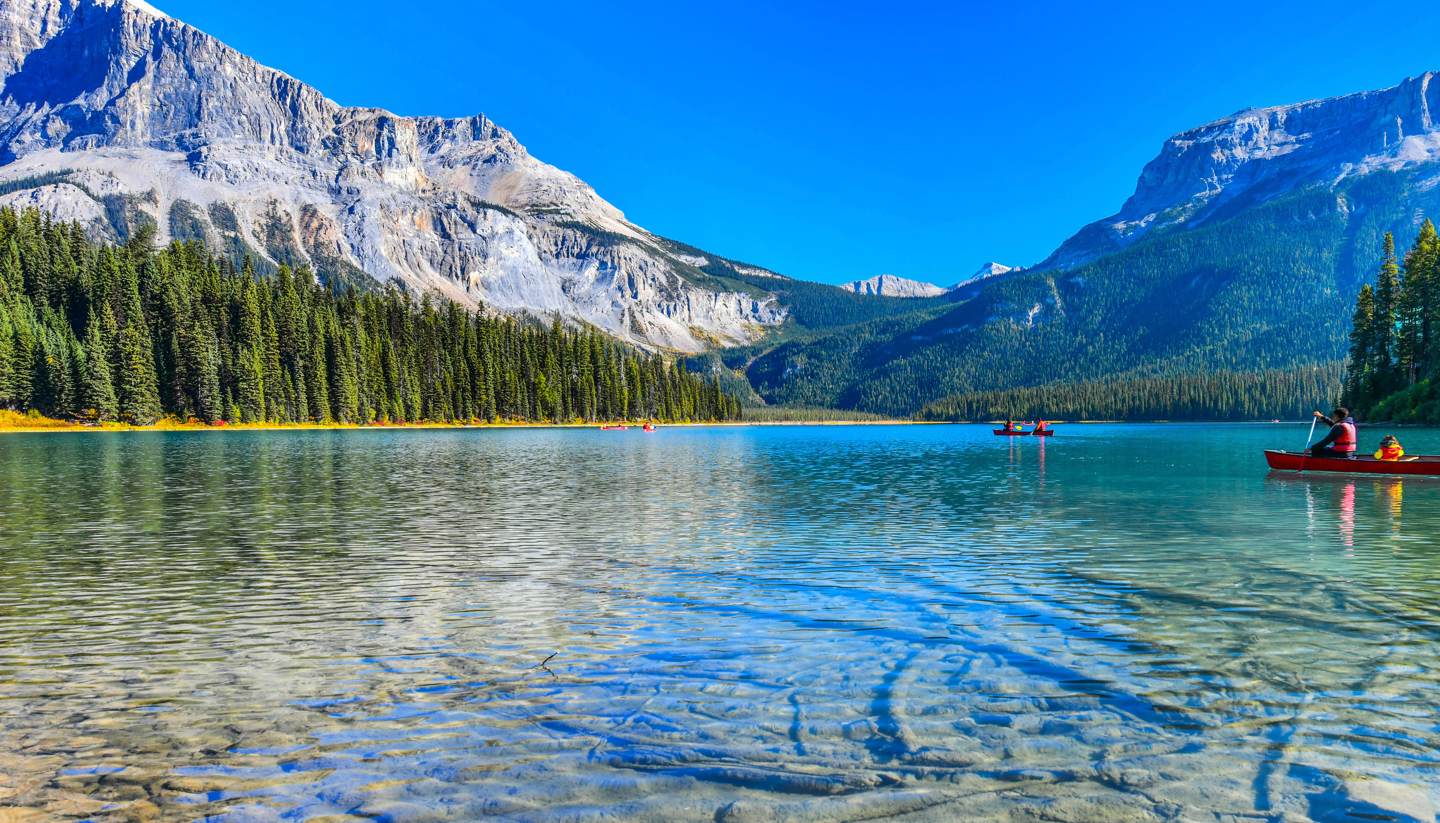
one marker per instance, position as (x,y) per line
(1279,393)
(1257,297)
(127,333)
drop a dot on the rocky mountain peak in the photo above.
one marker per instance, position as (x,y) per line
(889,285)
(1260,153)
(124,115)
(985,272)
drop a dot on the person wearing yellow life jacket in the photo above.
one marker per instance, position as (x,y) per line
(1390,449)
(1343,438)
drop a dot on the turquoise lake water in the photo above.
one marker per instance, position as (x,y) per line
(818,623)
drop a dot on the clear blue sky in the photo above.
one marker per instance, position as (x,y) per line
(839,140)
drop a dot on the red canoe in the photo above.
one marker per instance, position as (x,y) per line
(1018,433)
(1300,462)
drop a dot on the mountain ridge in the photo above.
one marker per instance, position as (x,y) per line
(1259,153)
(1240,252)
(155,121)
(890,285)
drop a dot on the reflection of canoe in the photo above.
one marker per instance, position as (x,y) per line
(1298,461)
(1022,433)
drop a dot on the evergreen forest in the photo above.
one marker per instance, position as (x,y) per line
(129,333)
(1393,372)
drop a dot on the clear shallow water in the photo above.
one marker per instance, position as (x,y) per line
(740,624)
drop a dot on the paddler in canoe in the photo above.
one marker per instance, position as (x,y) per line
(1336,453)
(1010,426)
(1343,438)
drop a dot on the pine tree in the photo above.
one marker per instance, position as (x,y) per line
(1415,287)
(137,385)
(98,398)
(249,360)
(1383,326)
(201,360)
(317,372)
(1360,378)
(275,387)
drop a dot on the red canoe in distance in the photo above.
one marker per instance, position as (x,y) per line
(1425,466)
(1003,433)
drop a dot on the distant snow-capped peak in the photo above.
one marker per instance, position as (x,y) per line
(985,272)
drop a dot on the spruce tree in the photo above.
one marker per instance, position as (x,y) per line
(1359,377)
(1383,325)
(136,384)
(23,343)
(276,387)
(317,373)
(98,398)
(250,359)
(7,355)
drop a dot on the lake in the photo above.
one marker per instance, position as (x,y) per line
(809,623)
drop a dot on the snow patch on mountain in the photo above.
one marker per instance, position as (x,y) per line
(148,9)
(985,272)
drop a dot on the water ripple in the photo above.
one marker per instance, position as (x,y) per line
(733,624)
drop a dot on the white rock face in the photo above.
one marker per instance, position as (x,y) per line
(1258,154)
(888,285)
(143,111)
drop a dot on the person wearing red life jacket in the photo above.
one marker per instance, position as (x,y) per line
(1343,438)
(1390,449)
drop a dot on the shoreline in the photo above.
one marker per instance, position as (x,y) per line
(19,424)
(51,426)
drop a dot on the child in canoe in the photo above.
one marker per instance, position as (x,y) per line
(1390,449)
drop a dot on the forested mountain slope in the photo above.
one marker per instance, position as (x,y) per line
(1266,289)
(1240,252)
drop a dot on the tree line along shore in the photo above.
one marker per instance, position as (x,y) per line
(94,333)
(1393,372)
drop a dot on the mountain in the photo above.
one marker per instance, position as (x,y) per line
(985,272)
(1240,252)
(1256,155)
(888,285)
(117,116)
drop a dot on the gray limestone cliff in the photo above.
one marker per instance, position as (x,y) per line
(114,114)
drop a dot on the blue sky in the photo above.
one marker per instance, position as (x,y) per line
(838,140)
